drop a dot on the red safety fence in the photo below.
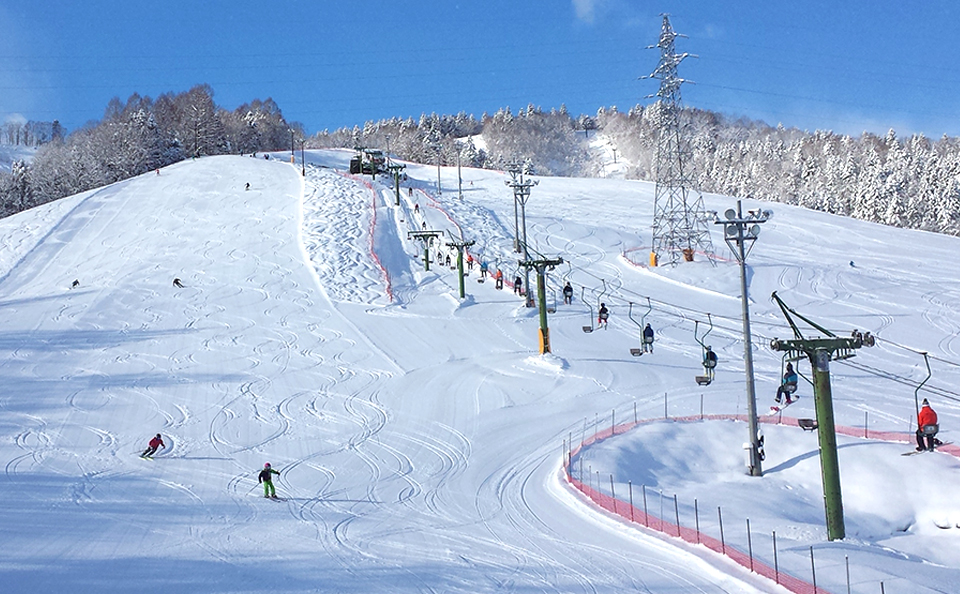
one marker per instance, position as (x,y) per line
(629,511)
(373,226)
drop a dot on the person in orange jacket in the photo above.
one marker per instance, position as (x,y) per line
(927,427)
(499,279)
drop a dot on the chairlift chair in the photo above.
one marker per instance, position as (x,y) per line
(709,365)
(552,309)
(587,329)
(644,344)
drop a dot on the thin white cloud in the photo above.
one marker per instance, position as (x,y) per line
(586,9)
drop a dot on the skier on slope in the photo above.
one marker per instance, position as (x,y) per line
(927,427)
(567,294)
(788,385)
(155,443)
(266,477)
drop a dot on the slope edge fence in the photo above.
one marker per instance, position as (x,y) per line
(640,515)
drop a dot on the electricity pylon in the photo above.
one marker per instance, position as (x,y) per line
(679,219)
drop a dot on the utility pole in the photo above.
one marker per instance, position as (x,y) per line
(396,169)
(737,232)
(521,193)
(427,238)
(439,186)
(303,161)
(460,245)
(820,351)
(459,177)
(541,266)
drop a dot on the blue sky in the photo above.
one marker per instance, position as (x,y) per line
(846,67)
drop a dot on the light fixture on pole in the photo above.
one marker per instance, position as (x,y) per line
(740,233)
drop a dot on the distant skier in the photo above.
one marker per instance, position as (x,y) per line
(603,315)
(416,208)
(499,279)
(177,283)
(927,427)
(648,339)
(567,294)
(518,285)
(75,284)
(266,477)
(153,446)
(248,186)
(788,385)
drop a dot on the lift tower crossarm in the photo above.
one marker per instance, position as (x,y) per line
(820,351)
(426,237)
(541,266)
(460,245)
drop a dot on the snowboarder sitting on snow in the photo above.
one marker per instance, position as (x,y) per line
(648,339)
(155,443)
(603,315)
(788,385)
(266,477)
(567,294)
(518,285)
(927,427)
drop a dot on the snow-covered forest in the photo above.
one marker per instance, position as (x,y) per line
(909,182)
(137,136)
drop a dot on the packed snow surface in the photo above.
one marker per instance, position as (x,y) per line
(419,435)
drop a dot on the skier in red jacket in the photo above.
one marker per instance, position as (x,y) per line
(927,427)
(155,443)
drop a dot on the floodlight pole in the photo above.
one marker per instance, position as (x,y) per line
(460,245)
(459,176)
(521,193)
(303,161)
(439,186)
(737,231)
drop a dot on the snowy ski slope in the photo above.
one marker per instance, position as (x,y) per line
(419,436)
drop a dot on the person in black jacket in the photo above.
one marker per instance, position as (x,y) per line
(266,477)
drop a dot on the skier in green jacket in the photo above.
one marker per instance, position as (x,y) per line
(266,477)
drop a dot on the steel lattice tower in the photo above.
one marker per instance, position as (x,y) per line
(679,222)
